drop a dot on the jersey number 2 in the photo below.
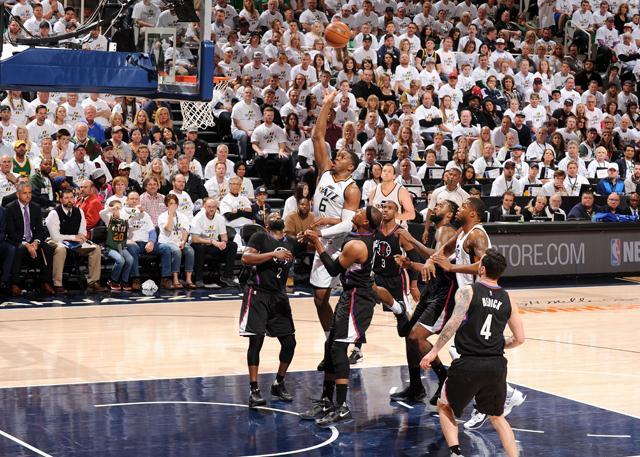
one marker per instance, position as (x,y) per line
(486,327)
(279,274)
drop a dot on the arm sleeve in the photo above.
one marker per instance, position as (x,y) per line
(153,236)
(333,266)
(344,226)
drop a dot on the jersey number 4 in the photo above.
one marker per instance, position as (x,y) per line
(486,327)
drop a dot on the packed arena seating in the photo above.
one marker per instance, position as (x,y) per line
(533,110)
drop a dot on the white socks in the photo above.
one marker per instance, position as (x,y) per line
(396,308)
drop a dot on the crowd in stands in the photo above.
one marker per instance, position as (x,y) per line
(446,100)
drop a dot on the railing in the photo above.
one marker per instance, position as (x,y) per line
(570,30)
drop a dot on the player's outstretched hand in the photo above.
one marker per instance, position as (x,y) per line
(329,97)
(428,271)
(425,363)
(311,235)
(402,261)
(284,255)
(442,261)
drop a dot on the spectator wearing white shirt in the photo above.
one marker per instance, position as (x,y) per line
(234,207)
(79,168)
(537,147)
(174,232)
(218,185)
(258,72)
(103,112)
(185,204)
(268,142)
(383,148)
(209,239)
(485,162)
(607,38)
(245,116)
(506,182)
(366,51)
(41,126)
(44,98)
(534,113)
(33,23)
(95,41)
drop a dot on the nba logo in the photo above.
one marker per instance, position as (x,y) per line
(616,252)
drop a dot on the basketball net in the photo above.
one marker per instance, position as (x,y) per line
(200,114)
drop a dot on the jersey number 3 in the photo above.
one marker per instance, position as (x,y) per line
(486,327)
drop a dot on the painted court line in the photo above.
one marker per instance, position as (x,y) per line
(331,439)
(23,444)
(526,430)
(608,436)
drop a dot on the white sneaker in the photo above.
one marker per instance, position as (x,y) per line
(476,421)
(514,400)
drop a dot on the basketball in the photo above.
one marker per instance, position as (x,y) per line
(337,34)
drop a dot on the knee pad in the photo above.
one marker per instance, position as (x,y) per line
(340,360)
(253,353)
(287,348)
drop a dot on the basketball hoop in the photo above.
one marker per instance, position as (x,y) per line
(200,114)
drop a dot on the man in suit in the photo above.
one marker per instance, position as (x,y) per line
(67,225)
(506,208)
(25,231)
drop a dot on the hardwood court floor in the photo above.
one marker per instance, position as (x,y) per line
(582,343)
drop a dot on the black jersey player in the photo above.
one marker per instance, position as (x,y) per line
(434,308)
(265,306)
(481,313)
(352,314)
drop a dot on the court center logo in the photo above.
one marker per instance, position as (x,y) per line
(616,252)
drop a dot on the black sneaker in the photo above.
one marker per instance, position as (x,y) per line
(409,394)
(335,416)
(434,399)
(279,390)
(229,282)
(319,409)
(255,399)
(321,366)
(356,356)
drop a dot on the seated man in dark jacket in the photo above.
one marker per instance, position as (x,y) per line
(506,208)
(25,231)
(585,209)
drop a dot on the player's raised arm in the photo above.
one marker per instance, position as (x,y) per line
(320,152)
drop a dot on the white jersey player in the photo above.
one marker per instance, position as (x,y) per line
(335,202)
(471,244)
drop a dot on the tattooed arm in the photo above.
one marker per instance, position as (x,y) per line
(463,299)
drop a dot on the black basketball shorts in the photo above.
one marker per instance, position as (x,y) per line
(353,315)
(265,313)
(484,378)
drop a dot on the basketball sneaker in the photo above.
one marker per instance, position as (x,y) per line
(319,409)
(409,394)
(255,398)
(476,421)
(279,390)
(516,399)
(356,356)
(335,416)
